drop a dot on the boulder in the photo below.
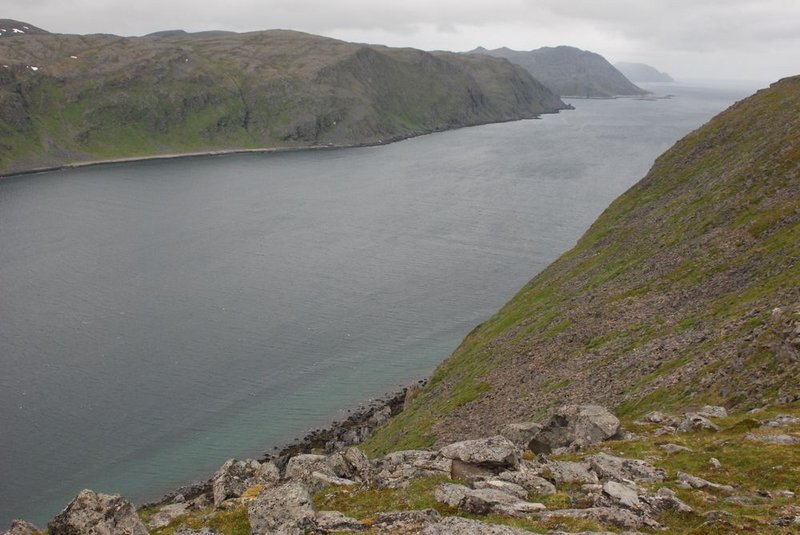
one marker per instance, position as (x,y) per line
(576,426)
(285,509)
(492,452)
(333,521)
(396,469)
(786,440)
(235,476)
(301,469)
(619,468)
(674,448)
(91,513)
(560,472)
(454,525)
(527,477)
(484,501)
(321,479)
(696,422)
(621,518)
(664,500)
(618,494)
(352,464)
(783,420)
(688,481)
(503,486)
(521,434)
(201,531)
(404,521)
(21,527)
(713,411)
(167,514)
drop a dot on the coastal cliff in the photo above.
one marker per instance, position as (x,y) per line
(78,98)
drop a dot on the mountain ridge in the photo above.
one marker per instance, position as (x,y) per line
(67,99)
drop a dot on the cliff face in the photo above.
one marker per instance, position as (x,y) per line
(72,98)
(685,291)
(569,71)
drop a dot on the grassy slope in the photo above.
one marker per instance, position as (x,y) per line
(102,96)
(665,302)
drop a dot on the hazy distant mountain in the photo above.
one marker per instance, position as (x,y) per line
(570,71)
(641,72)
(13,28)
(77,98)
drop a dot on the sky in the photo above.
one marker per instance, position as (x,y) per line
(749,40)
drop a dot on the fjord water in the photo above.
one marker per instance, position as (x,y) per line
(157,318)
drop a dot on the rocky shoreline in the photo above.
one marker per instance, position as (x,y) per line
(337,436)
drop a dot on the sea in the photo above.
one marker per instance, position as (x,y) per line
(160,317)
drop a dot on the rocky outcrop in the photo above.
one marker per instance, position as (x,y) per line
(333,521)
(167,514)
(575,426)
(480,458)
(484,501)
(398,468)
(405,521)
(284,509)
(91,513)
(234,477)
(21,527)
(620,469)
(464,526)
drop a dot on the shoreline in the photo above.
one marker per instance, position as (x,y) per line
(266,150)
(352,431)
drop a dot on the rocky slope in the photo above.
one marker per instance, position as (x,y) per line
(16,28)
(570,71)
(685,290)
(77,98)
(641,72)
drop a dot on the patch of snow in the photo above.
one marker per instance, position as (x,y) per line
(26,27)
(3,30)
(73,57)
(34,69)
(187,60)
(5,66)
(17,31)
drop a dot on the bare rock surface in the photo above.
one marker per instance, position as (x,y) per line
(561,472)
(576,426)
(527,476)
(352,464)
(614,516)
(464,526)
(21,527)
(496,451)
(503,486)
(167,514)
(713,411)
(396,469)
(405,521)
(521,434)
(484,501)
(783,420)
(333,521)
(235,476)
(91,513)
(689,481)
(696,422)
(285,509)
(787,440)
(619,468)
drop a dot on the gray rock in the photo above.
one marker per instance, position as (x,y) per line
(396,469)
(526,476)
(471,472)
(695,422)
(664,500)
(454,525)
(689,481)
(620,494)
(321,479)
(353,464)
(201,531)
(621,518)
(619,468)
(234,477)
(484,501)
(576,426)
(714,463)
(285,510)
(301,469)
(783,420)
(674,448)
(561,472)
(332,521)
(656,417)
(786,440)
(21,527)
(712,411)
(405,521)
(167,514)
(90,513)
(521,434)
(496,451)
(503,486)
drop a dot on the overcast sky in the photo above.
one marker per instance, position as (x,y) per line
(756,40)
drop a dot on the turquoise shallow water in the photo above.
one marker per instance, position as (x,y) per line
(162,316)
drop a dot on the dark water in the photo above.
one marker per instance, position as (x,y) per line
(157,318)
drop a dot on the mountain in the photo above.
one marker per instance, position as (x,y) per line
(73,98)
(16,28)
(685,291)
(569,71)
(640,72)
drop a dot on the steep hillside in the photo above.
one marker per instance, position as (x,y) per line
(73,98)
(641,72)
(16,28)
(685,291)
(569,71)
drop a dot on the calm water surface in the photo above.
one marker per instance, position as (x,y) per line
(157,318)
